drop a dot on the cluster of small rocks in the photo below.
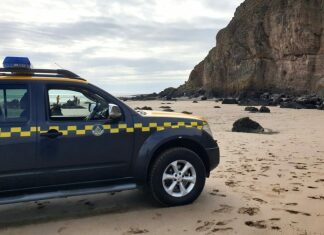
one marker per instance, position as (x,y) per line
(282,100)
(263,109)
(254,99)
(286,101)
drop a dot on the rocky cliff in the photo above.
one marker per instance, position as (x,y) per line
(275,46)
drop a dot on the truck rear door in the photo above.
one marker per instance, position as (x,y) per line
(18,161)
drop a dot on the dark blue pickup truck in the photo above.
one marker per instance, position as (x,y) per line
(61,136)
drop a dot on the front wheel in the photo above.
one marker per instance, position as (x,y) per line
(177,177)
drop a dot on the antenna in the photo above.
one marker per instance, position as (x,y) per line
(58,65)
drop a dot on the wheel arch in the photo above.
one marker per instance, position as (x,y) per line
(185,143)
(190,138)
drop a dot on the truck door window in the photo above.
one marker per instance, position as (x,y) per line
(14,104)
(66,104)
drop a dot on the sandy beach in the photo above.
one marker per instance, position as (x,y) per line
(266,183)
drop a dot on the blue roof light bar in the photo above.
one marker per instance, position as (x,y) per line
(17,62)
(21,66)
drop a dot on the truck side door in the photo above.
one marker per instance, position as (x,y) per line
(77,148)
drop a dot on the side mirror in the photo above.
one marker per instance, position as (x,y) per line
(114,111)
(91,107)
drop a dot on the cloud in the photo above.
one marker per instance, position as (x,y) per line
(139,41)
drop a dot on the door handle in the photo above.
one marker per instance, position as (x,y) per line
(52,134)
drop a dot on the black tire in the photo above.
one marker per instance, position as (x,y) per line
(169,156)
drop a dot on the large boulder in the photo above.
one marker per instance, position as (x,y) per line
(144,108)
(264,109)
(248,102)
(229,101)
(310,106)
(168,110)
(187,112)
(275,99)
(251,109)
(308,100)
(247,125)
(291,105)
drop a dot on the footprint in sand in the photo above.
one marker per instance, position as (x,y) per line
(41,205)
(257,224)
(248,168)
(264,175)
(249,210)
(279,190)
(60,230)
(319,180)
(135,231)
(292,211)
(210,226)
(265,168)
(205,227)
(224,209)
(295,189)
(215,230)
(215,193)
(301,166)
(89,203)
(298,212)
(260,200)
(221,223)
(291,204)
(312,187)
(232,183)
(316,197)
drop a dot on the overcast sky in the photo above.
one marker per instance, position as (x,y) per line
(124,46)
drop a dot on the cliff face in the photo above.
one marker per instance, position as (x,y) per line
(275,46)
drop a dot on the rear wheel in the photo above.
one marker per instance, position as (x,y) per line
(177,177)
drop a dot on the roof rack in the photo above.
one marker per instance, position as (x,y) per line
(59,73)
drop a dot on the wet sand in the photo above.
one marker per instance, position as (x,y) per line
(266,183)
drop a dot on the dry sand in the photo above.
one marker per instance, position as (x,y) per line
(266,183)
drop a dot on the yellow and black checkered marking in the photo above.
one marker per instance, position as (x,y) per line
(87,129)
(17,131)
